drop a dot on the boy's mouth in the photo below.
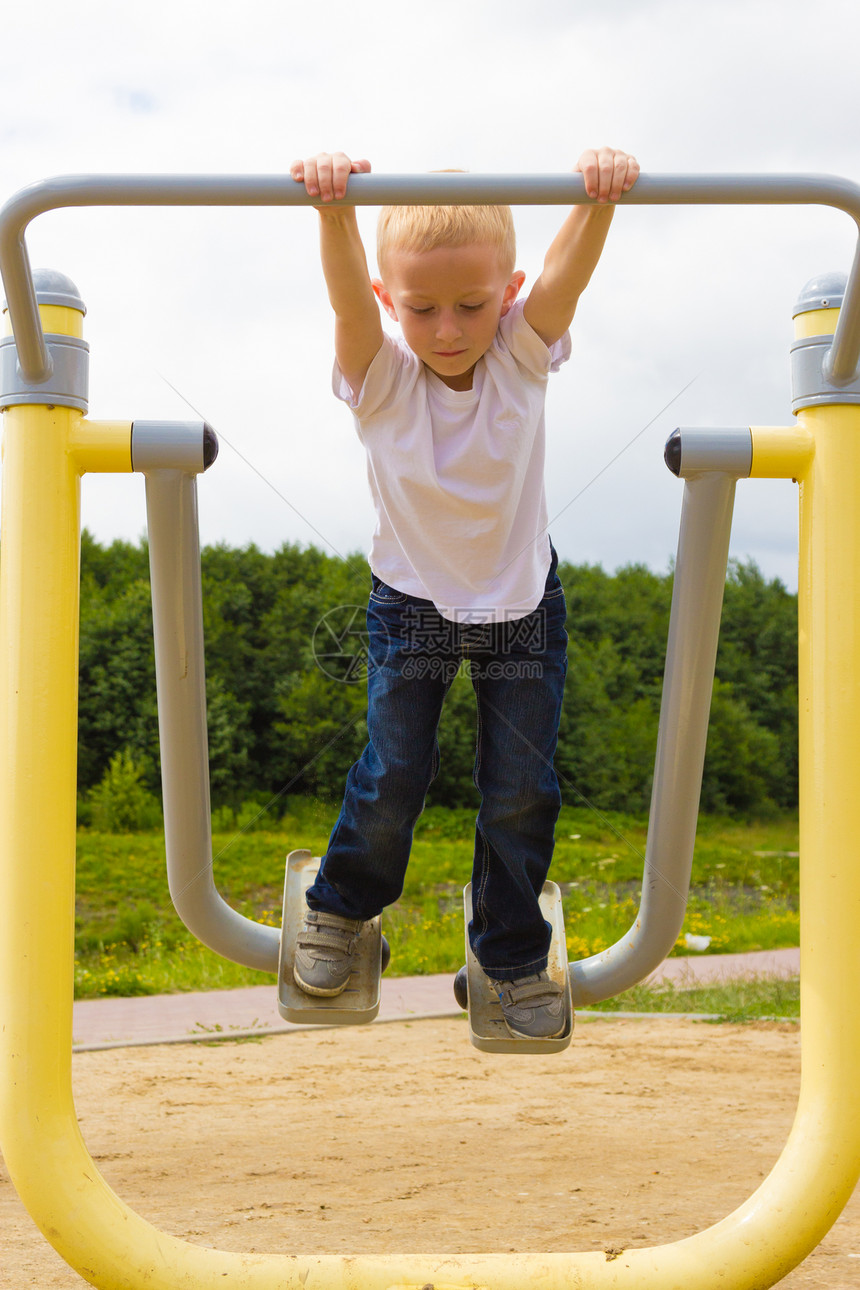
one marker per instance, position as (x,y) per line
(448,353)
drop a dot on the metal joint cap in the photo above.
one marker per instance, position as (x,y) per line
(825,291)
(55,288)
(810,381)
(727,449)
(189,446)
(813,380)
(67,384)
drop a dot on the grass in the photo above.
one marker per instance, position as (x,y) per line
(129,940)
(756,999)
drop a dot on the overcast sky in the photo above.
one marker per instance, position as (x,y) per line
(228,306)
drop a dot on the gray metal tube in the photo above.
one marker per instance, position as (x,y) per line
(697,599)
(375,190)
(174,560)
(171,499)
(841,363)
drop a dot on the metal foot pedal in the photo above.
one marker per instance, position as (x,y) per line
(359,1002)
(487,1029)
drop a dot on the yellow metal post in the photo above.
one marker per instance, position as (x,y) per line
(46,450)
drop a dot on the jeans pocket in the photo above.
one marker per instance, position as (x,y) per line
(382,594)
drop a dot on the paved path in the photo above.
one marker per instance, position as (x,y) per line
(178,1018)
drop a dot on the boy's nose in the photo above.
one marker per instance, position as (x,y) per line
(448,327)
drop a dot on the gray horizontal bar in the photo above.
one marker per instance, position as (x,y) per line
(721,448)
(375,190)
(439,189)
(168,445)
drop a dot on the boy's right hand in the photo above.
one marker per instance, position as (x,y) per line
(358,333)
(326,175)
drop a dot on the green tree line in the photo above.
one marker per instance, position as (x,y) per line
(286,700)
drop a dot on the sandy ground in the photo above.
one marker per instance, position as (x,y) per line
(403,1137)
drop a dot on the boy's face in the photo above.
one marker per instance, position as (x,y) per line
(448,302)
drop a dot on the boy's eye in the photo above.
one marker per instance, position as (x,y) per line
(474,308)
(420,309)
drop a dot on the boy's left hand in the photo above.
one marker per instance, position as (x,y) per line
(607,172)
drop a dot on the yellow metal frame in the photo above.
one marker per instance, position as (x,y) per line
(46,452)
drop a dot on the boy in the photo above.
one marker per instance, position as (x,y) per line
(451,417)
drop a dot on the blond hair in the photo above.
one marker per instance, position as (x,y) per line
(424,228)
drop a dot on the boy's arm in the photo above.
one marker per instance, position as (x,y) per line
(358,329)
(573,255)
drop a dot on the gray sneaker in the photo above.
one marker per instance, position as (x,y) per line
(532,1006)
(325,952)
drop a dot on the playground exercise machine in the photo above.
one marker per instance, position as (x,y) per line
(49,443)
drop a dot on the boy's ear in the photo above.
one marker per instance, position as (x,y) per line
(384,297)
(512,290)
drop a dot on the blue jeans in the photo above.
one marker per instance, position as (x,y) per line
(517,670)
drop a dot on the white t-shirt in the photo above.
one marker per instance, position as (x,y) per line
(457,476)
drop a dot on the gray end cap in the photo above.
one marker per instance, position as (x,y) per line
(210,445)
(672,452)
(55,288)
(171,445)
(824,292)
